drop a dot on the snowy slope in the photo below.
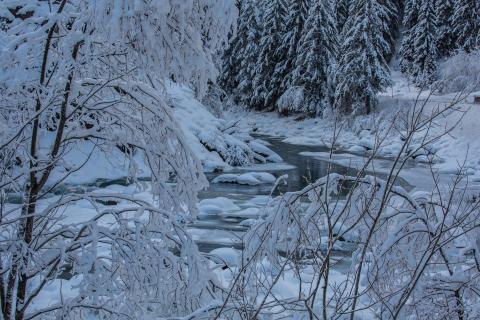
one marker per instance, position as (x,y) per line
(216,142)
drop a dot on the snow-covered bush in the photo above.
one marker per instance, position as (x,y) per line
(460,72)
(76,73)
(411,251)
(414,255)
(292,100)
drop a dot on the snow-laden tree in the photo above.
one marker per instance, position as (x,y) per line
(233,55)
(407,50)
(316,59)
(425,43)
(297,11)
(342,9)
(240,58)
(391,26)
(460,72)
(445,32)
(268,77)
(88,75)
(362,68)
(466,24)
(249,52)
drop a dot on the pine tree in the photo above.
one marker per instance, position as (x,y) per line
(407,50)
(250,51)
(267,78)
(228,78)
(445,34)
(240,56)
(390,26)
(425,59)
(294,24)
(466,24)
(317,52)
(342,8)
(363,71)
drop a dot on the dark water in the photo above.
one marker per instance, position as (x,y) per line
(302,170)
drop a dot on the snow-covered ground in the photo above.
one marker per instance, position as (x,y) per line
(215,142)
(357,135)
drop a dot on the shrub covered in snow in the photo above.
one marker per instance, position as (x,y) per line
(292,100)
(460,73)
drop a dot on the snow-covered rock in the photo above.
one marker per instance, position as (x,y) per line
(215,206)
(250,178)
(264,151)
(356,149)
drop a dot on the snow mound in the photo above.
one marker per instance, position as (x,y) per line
(248,222)
(251,178)
(216,206)
(261,149)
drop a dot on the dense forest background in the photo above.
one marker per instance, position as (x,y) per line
(310,56)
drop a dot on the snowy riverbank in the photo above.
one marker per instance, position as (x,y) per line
(359,135)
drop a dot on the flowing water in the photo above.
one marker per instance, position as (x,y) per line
(225,229)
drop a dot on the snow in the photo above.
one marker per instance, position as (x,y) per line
(260,200)
(216,206)
(357,135)
(230,256)
(215,141)
(292,99)
(249,213)
(263,150)
(250,178)
(248,222)
(266,167)
(197,124)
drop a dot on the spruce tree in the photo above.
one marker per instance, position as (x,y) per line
(466,24)
(444,22)
(317,52)
(363,70)
(240,56)
(342,8)
(297,11)
(425,43)
(267,78)
(407,51)
(228,79)
(250,51)
(390,26)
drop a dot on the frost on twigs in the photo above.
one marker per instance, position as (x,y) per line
(410,250)
(83,78)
